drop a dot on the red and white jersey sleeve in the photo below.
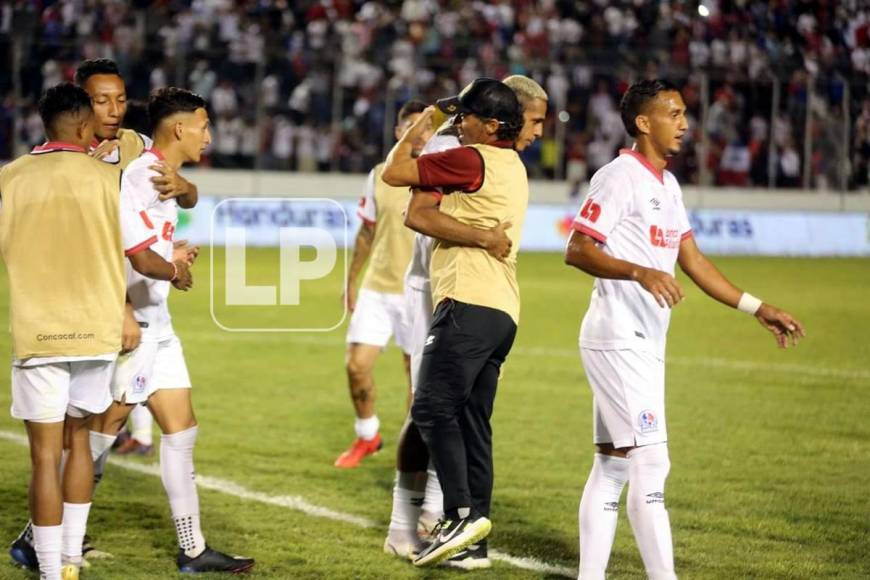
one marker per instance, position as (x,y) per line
(135,233)
(368,211)
(605,205)
(147,213)
(636,212)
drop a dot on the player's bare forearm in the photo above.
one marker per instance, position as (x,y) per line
(786,329)
(424,216)
(151,265)
(584,254)
(362,248)
(706,275)
(400,167)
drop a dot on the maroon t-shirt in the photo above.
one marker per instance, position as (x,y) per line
(458,169)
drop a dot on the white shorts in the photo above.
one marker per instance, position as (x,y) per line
(149,368)
(419,304)
(45,393)
(377,317)
(628,388)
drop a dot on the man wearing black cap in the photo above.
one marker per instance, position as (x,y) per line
(482,184)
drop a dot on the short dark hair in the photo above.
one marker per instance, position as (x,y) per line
(637,97)
(137,117)
(95,66)
(167,101)
(411,107)
(59,100)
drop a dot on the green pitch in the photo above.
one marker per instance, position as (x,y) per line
(770,449)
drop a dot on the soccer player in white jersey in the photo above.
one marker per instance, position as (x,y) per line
(59,379)
(379,309)
(629,233)
(117,142)
(155,373)
(417,496)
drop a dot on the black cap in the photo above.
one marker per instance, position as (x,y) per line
(484,97)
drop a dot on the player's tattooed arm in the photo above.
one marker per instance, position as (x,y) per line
(362,248)
(170,184)
(786,329)
(424,215)
(584,253)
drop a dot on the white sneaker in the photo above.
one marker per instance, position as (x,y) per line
(406,548)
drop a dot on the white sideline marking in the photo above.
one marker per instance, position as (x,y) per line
(297,503)
(574,353)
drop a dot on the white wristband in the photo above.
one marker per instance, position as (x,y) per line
(748,304)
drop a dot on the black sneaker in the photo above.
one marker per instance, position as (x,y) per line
(213,561)
(474,557)
(452,537)
(23,554)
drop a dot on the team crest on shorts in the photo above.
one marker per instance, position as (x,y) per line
(647,421)
(139,384)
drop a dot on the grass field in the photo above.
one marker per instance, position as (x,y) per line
(770,449)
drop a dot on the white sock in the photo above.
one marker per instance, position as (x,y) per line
(101,445)
(648,469)
(433,504)
(47,541)
(142,423)
(407,505)
(178,475)
(599,510)
(367,428)
(75,523)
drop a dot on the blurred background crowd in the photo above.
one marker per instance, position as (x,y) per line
(777,90)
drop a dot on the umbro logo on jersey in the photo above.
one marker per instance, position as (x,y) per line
(430,339)
(656,204)
(655,497)
(611,506)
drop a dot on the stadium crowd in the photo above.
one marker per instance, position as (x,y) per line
(305,85)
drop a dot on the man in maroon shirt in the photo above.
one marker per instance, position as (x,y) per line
(476,297)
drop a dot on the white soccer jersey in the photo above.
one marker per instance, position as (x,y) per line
(637,214)
(367,210)
(418,271)
(149,297)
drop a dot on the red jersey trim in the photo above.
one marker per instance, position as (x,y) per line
(141,247)
(597,236)
(645,162)
(365,220)
(156,152)
(146,219)
(686,235)
(478,184)
(50,146)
